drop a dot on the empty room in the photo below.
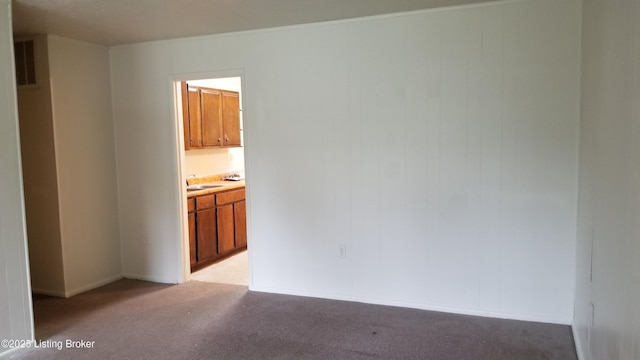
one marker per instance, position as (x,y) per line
(437,179)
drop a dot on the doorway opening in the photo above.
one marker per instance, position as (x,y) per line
(212,153)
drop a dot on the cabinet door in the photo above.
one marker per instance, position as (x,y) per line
(192,239)
(211,117)
(225,229)
(206,236)
(231,118)
(195,121)
(229,197)
(240,221)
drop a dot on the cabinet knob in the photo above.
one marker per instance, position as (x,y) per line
(219,140)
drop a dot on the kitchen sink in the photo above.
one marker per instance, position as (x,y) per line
(203,187)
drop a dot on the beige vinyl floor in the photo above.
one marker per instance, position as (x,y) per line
(234,270)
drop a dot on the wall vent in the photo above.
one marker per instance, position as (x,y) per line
(25,62)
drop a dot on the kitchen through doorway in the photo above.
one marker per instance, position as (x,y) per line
(214,175)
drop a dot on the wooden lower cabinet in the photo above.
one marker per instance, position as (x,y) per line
(226,231)
(217,226)
(191,206)
(206,234)
(193,256)
(240,223)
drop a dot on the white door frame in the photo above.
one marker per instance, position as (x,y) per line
(182,245)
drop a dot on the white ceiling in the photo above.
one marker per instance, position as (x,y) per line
(115,22)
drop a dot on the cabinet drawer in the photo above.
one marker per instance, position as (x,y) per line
(191,205)
(204,202)
(229,196)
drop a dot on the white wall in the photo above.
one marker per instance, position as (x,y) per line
(85,161)
(69,169)
(40,178)
(231,84)
(609,200)
(214,161)
(439,147)
(16,318)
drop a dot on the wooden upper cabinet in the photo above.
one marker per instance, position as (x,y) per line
(231,118)
(213,118)
(211,105)
(195,119)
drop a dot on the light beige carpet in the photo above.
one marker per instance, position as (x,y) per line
(234,270)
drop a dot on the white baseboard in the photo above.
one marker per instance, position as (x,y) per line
(578,342)
(148,278)
(94,285)
(48,292)
(420,306)
(81,289)
(10,353)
